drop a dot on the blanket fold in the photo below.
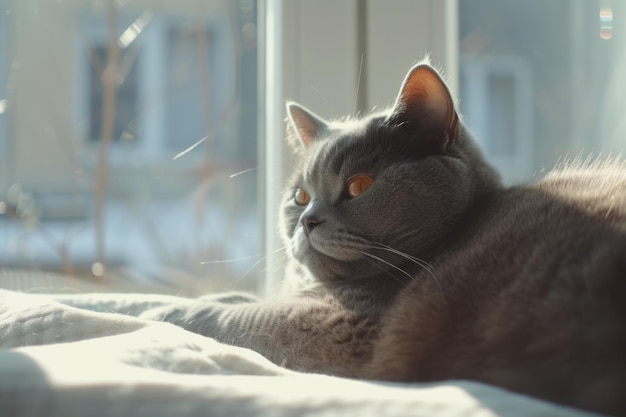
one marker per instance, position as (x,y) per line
(89,354)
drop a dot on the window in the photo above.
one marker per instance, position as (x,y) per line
(541,81)
(171,192)
(177,83)
(496,102)
(126,109)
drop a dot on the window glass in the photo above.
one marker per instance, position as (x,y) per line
(126,106)
(129,136)
(543,80)
(187,65)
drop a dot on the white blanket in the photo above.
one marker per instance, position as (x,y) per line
(87,355)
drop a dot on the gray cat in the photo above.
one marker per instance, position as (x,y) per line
(426,268)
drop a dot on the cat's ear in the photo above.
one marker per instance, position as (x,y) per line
(425,104)
(306,125)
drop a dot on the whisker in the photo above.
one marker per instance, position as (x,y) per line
(228,261)
(418,261)
(278,264)
(263,259)
(387,272)
(245,171)
(278,284)
(369,255)
(425,265)
(358,84)
(191,148)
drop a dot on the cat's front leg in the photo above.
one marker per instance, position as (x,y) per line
(302,333)
(231,298)
(198,315)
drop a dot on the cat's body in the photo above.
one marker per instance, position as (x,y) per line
(426,268)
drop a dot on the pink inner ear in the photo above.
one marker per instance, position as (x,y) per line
(305,125)
(424,97)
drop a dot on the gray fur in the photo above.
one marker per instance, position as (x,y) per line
(437,271)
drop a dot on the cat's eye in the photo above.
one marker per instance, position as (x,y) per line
(359,184)
(301,197)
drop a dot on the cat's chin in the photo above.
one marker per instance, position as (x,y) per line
(322,266)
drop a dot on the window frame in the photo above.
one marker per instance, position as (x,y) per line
(4,102)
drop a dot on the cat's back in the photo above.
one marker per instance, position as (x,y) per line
(561,312)
(532,293)
(571,222)
(558,241)
(597,188)
(573,216)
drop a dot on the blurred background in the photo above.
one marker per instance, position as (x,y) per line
(98,98)
(141,140)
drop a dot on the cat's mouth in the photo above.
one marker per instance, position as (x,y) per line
(323,244)
(303,247)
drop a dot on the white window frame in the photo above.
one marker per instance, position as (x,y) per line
(4,101)
(298,33)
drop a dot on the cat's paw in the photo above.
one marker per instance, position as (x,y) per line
(168,313)
(203,315)
(230,298)
(199,316)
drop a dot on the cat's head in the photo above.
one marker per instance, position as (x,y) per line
(374,197)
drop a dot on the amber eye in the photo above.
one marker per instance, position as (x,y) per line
(301,197)
(359,184)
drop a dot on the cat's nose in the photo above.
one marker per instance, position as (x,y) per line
(309,222)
